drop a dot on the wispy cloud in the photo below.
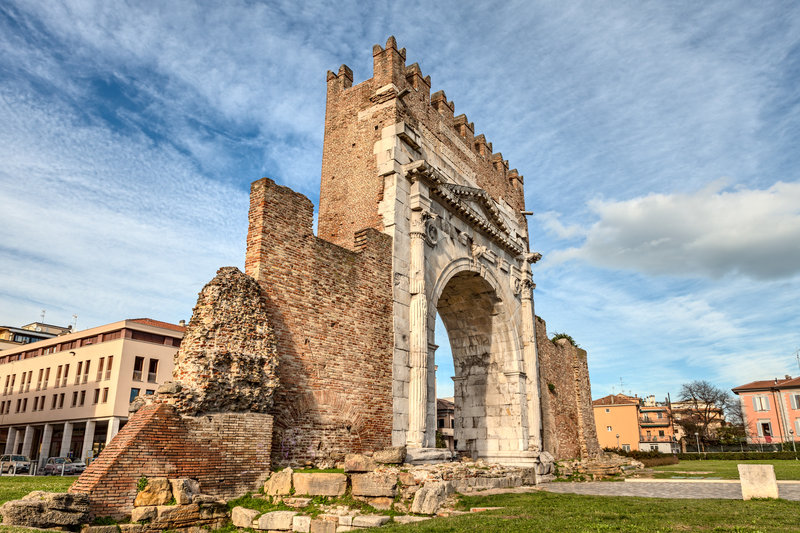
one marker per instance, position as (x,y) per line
(712,232)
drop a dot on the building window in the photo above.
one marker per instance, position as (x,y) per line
(660,415)
(100,368)
(78,373)
(55,401)
(761,402)
(626,447)
(108,367)
(24,404)
(148,392)
(134,394)
(608,428)
(608,410)
(764,428)
(35,403)
(74,398)
(58,376)
(19,403)
(46,377)
(441,422)
(39,381)
(83,398)
(96,399)
(86,371)
(660,432)
(105,395)
(452,423)
(795,398)
(152,371)
(5,389)
(138,364)
(66,376)
(654,447)
(61,401)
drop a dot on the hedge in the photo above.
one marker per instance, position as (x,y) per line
(737,456)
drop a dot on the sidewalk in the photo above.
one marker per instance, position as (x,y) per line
(668,488)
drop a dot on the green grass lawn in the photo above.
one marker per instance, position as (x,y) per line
(15,487)
(549,512)
(785,469)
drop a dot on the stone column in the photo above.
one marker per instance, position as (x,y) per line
(113,429)
(66,439)
(418,337)
(27,443)
(11,440)
(88,438)
(530,356)
(431,426)
(47,438)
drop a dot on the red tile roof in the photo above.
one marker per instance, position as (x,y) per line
(616,399)
(786,383)
(159,324)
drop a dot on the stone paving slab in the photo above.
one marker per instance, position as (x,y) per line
(723,489)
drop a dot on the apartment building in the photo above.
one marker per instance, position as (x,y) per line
(446,421)
(69,395)
(656,427)
(617,419)
(633,423)
(11,337)
(771,410)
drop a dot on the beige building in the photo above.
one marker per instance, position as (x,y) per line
(69,395)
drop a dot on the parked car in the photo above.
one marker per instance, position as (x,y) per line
(15,464)
(55,466)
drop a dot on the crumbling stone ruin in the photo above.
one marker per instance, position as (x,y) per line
(209,425)
(228,357)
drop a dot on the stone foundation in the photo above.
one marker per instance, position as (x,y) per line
(229,454)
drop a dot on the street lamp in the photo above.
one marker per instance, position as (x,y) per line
(697,438)
(794,446)
(618,441)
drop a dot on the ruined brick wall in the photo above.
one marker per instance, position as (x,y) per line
(355,116)
(331,311)
(229,454)
(567,415)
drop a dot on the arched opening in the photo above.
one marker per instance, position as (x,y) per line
(479,332)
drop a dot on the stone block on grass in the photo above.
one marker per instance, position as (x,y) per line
(758,481)
(319,484)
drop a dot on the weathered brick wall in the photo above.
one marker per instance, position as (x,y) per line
(229,454)
(331,311)
(567,415)
(355,115)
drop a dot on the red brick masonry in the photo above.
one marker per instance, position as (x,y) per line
(229,454)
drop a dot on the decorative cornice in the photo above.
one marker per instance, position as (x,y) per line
(455,195)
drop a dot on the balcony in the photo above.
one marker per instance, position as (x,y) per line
(665,438)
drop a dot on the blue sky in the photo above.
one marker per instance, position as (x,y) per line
(658,140)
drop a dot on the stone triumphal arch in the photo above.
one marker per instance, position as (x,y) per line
(417,214)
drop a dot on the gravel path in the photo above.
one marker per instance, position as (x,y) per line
(667,489)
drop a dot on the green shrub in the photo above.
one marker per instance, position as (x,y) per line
(737,456)
(565,336)
(141,484)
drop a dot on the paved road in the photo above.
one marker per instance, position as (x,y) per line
(666,489)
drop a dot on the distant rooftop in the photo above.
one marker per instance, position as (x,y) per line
(788,382)
(616,399)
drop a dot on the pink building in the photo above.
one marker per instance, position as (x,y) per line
(771,410)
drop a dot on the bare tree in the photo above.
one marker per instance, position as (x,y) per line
(706,403)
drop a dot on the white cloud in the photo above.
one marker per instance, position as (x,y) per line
(712,232)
